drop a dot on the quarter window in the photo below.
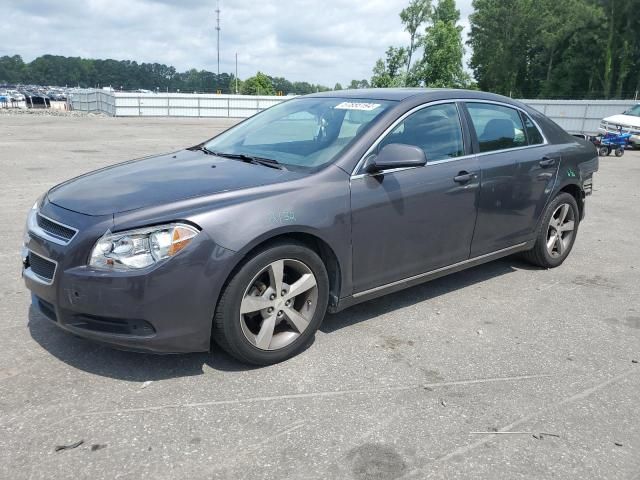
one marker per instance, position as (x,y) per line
(533,134)
(497,127)
(436,130)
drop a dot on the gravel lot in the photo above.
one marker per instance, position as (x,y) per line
(394,388)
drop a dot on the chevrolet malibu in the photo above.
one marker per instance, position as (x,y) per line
(313,205)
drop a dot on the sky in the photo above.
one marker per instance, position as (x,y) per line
(321,42)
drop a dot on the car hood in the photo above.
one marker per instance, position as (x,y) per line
(160,180)
(621,119)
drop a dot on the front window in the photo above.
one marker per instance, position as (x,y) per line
(435,129)
(304,133)
(633,111)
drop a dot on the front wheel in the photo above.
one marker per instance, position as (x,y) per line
(557,232)
(273,304)
(619,151)
(604,151)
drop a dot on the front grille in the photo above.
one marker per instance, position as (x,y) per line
(55,229)
(42,267)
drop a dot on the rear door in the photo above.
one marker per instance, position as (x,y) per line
(517,174)
(538,169)
(409,221)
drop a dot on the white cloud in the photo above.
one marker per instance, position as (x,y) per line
(320,42)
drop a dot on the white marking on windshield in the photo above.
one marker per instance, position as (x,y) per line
(367,107)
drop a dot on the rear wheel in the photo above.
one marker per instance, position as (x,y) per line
(619,151)
(273,305)
(557,232)
(604,151)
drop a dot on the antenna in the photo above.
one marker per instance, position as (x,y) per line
(218,32)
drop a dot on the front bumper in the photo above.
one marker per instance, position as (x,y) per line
(166,308)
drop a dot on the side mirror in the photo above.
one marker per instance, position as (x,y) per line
(396,155)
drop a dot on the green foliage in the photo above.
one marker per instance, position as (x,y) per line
(561,49)
(446,12)
(390,73)
(415,15)
(441,61)
(441,64)
(11,69)
(337,86)
(258,85)
(355,84)
(128,75)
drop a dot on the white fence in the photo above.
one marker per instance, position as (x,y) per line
(125,104)
(93,101)
(572,115)
(578,116)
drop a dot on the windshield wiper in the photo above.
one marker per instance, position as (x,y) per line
(267,162)
(201,148)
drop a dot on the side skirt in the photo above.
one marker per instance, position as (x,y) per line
(398,285)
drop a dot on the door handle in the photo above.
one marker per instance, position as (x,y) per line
(547,162)
(464,177)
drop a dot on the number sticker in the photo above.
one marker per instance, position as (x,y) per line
(367,107)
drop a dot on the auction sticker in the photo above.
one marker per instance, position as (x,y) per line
(367,107)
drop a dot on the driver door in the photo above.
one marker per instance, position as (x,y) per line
(410,221)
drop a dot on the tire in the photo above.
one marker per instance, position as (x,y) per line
(619,151)
(552,256)
(604,151)
(274,325)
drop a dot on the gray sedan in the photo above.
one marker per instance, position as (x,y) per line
(313,205)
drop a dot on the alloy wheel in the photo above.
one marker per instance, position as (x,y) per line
(561,230)
(278,304)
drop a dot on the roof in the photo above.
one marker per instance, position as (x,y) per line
(400,94)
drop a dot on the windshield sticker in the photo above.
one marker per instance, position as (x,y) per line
(367,107)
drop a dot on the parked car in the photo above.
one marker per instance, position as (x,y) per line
(315,204)
(627,122)
(36,100)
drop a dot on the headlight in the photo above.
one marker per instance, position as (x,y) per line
(140,248)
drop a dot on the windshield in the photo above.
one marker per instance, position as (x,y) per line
(635,111)
(303,133)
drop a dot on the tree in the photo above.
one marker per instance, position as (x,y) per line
(356,84)
(502,37)
(281,84)
(12,69)
(231,86)
(413,17)
(441,64)
(130,75)
(389,72)
(556,49)
(260,84)
(447,12)
(337,86)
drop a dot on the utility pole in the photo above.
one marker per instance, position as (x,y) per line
(218,32)
(236,73)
